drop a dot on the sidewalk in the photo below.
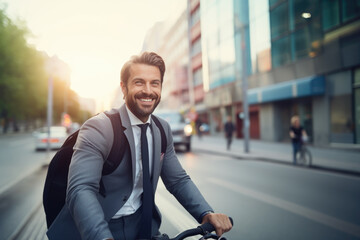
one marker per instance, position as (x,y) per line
(341,160)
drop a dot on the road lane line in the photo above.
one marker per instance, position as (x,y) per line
(314,215)
(175,216)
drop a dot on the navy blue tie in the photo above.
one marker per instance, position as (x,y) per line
(148,194)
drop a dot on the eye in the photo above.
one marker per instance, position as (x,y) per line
(138,82)
(156,83)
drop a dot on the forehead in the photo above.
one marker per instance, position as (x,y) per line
(144,71)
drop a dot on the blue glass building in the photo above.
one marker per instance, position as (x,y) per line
(302,58)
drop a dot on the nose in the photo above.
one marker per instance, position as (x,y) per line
(147,88)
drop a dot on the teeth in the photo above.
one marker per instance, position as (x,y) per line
(146,99)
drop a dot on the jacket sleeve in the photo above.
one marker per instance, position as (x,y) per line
(179,183)
(90,150)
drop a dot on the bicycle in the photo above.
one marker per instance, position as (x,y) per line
(303,156)
(204,230)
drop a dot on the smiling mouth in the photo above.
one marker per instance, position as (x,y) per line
(146,99)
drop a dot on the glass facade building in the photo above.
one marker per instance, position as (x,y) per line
(217,31)
(302,58)
(295,57)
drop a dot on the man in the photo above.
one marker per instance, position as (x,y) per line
(229,129)
(122,213)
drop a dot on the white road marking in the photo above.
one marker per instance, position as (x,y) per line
(311,214)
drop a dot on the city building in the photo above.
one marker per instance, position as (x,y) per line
(169,39)
(196,83)
(284,57)
(301,58)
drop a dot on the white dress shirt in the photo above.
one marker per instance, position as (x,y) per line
(134,201)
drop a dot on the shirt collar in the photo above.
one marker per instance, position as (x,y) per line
(133,119)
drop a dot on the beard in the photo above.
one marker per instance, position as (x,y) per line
(140,111)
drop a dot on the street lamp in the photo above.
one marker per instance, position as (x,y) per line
(49,67)
(244,84)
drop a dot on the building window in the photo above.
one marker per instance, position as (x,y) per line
(197,77)
(295,30)
(302,42)
(228,74)
(350,9)
(195,17)
(279,20)
(306,42)
(196,47)
(214,60)
(330,14)
(260,39)
(281,52)
(341,118)
(227,53)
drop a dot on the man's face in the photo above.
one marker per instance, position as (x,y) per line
(143,90)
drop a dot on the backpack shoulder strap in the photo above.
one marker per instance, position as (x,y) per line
(119,145)
(162,132)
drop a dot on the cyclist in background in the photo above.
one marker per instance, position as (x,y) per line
(297,133)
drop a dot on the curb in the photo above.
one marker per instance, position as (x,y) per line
(28,216)
(26,220)
(272,160)
(9,185)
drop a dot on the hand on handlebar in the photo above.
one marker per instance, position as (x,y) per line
(220,221)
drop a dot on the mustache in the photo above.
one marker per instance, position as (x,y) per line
(144,95)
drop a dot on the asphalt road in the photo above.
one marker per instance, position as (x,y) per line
(275,201)
(18,159)
(266,200)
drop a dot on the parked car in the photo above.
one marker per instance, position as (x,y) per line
(181,130)
(58,135)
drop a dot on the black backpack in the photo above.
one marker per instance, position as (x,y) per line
(57,176)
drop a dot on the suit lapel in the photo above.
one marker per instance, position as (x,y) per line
(156,152)
(129,135)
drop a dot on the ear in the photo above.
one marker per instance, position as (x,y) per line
(123,89)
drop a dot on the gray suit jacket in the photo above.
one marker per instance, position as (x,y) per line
(86,213)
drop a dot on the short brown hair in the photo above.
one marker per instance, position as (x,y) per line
(149,58)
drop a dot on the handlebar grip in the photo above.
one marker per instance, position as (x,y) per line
(208,227)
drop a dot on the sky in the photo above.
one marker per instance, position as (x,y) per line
(93,37)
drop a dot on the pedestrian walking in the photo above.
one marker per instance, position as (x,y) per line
(198,124)
(128,210)
(229,129)
(297,133)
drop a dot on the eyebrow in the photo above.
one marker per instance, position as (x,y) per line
(139,78)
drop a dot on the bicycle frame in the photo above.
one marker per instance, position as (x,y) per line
(303,156)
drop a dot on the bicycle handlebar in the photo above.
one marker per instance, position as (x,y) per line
(203,229)
(208,228)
